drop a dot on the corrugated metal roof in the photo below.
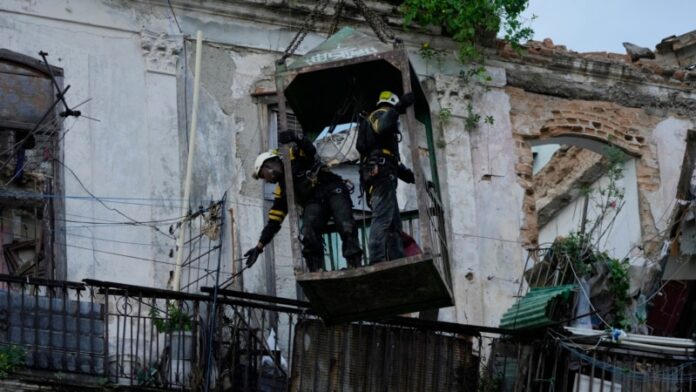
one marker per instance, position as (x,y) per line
(533,310)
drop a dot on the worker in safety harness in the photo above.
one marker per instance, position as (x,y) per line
(380,169)
(320,192)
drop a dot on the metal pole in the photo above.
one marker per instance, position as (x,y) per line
(293,216)
(212,319)
(176,283)
(426,240)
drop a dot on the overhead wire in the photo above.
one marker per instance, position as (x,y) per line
(130,256)
(79,181)
(97,250)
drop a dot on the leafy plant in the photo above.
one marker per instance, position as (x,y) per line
(12,357)
(472,118)
(619,283)
(429,53)
(176,319)
(474,74)
(582,248)
(445,115)
(471,22)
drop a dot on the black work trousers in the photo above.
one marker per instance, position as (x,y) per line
(330,200)
(385,231)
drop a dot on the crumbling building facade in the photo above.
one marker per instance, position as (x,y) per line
(130,66)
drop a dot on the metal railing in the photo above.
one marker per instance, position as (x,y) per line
(334,260)
(203,248)
(563,364)
(58,325)
(134,336)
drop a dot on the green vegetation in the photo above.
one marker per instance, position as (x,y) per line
(445,115)
(471,22)
(176,319)
(11,358)
(581,249)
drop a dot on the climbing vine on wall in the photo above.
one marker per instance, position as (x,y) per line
(470,23)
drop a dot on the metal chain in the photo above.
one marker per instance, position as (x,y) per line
(379,26)
(337,17)
(383,32)
(308,24)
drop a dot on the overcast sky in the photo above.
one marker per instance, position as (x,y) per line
(602,25)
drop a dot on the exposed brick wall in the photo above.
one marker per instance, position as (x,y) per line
(536,118)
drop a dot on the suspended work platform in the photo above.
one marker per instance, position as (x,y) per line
(327,86)
(394,287)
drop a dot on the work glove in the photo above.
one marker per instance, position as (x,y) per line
(406,175)
(252,255)
(405,101)
(287,137)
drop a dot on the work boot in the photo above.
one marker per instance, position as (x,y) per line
(314,264)
(354,261)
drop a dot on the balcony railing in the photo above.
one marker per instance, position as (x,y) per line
(110,333)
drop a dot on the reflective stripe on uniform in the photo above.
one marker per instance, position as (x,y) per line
(275,218)
(278,213)
(278,191)
(292,153)
(374,120)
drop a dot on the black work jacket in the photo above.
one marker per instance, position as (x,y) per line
(380,134)
(308,174)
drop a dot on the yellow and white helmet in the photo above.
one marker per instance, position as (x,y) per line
(260,160)
(388,97)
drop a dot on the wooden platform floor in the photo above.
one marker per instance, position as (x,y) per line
(378,291)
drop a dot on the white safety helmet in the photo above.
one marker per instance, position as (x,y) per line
(260,160)
(388,97)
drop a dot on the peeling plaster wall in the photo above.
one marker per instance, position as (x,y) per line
(128,57)
(125,154)
(483,199)
(670,140)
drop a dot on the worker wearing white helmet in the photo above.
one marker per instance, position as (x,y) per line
(321,193)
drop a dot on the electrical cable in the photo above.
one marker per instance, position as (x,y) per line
(129,256)
(105,205)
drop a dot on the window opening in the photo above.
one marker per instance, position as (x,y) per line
(30,130)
